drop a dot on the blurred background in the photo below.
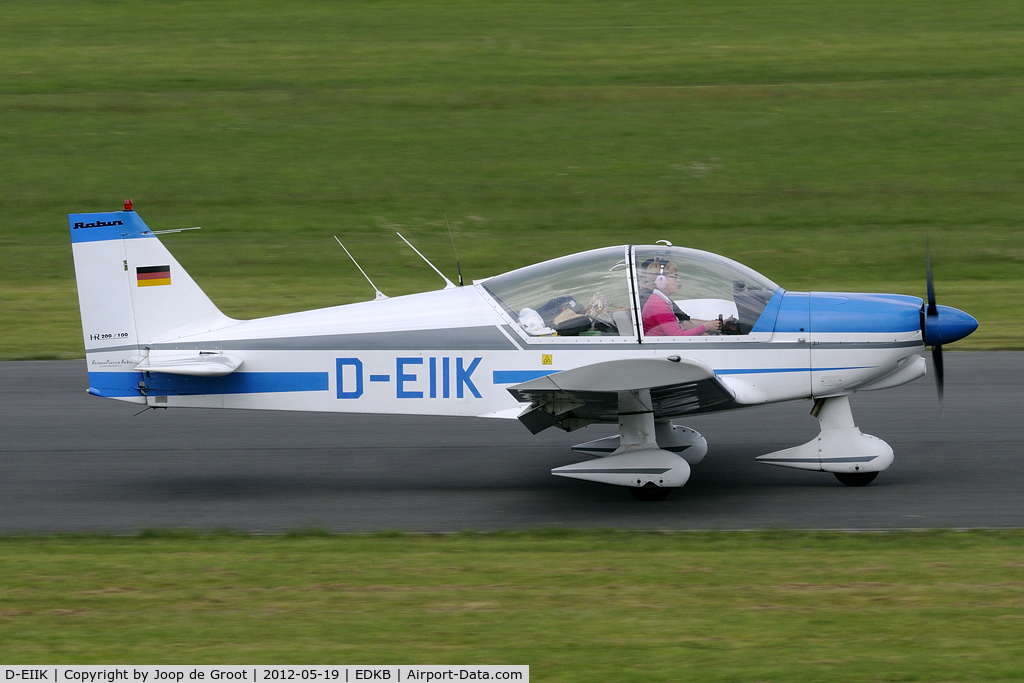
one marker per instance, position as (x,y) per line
(819,143)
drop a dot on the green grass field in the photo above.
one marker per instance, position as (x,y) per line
(575,606)
(820,143)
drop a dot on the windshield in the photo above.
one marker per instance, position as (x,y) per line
(583,294)
(703,286)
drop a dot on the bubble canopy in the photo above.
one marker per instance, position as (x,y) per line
(603,292)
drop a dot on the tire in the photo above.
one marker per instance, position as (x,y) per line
(650,492)
(856,478)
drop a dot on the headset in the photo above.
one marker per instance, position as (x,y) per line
(660,280)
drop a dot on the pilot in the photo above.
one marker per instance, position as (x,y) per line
(661,316)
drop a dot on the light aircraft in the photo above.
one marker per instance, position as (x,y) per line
(557,344)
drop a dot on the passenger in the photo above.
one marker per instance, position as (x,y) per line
(646,281)
(661,316)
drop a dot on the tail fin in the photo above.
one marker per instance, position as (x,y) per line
(131,291)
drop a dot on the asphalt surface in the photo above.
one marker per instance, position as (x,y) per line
(72,462)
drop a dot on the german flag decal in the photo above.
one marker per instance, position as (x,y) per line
(151,276)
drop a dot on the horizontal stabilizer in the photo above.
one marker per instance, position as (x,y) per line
(194,363)
(633,468)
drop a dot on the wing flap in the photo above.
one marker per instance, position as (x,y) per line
(591,393)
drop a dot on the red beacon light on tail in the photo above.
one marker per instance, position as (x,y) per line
(127,205)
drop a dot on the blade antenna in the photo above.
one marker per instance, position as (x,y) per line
(458,264)
(448,283)
(378,295)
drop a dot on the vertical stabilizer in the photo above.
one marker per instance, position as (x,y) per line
(132,293)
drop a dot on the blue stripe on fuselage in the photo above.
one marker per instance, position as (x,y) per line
(519,376)
(115,384)
(121,384)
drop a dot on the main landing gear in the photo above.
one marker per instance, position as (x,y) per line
(650,458)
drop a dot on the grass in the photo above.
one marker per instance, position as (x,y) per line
(820,143)
(575,606)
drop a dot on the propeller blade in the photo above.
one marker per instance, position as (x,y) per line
(932,312)
(928,274)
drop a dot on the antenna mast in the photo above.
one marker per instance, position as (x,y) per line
(458,264)
(379,295)
(448,283)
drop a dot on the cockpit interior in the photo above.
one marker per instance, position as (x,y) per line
(605,292)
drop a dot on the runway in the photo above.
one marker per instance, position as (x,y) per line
(70,462)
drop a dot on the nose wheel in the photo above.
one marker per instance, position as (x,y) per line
(856,478)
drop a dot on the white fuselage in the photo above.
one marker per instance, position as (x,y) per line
(456,352)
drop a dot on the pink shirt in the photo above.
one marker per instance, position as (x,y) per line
(660,320)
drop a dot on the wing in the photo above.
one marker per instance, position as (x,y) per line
(600,392)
